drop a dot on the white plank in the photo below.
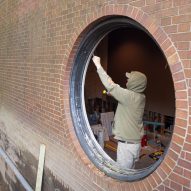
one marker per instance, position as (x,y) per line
(40,168)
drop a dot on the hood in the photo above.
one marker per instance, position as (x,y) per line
(137,81)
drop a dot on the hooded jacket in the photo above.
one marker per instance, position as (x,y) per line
(128,123)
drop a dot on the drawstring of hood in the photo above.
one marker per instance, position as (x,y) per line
(137,81)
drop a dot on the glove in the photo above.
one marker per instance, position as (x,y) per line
(96,61)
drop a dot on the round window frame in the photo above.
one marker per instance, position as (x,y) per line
(91,38)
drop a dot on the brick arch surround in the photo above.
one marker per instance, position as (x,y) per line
(175,166)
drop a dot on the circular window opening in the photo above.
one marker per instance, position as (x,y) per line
(123,46)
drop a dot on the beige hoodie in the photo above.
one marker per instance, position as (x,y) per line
(128,123)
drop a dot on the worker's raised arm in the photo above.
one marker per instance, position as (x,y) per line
(114,89)
(106,80)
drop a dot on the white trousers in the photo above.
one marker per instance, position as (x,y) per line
(128,154)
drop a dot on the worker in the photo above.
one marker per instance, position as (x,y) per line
(128,123)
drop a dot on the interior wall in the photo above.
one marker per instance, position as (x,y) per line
(133,50)
(127,50)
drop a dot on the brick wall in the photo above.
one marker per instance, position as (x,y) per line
(38,41)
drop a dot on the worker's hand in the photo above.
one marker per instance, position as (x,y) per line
(96,61)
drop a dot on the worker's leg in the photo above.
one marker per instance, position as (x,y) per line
(127,154)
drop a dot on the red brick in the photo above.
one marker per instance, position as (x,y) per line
(166,44)
(139,16)
(152,181)
(109,9)
(188,156)
(186,189)
(129,10)
(161,173)
(189,130)
(185,54)
(181,3)
(176,147)
(147,184)
(170,51)
(188,138)
(151,8)
(181,104)
(161,188)
(137,188)
(178,76)
(186,64)
(159,32)
(175,67)
(118,9)
(124,187)
(188,73)
(180,85)
(187,173)
(171,29)
(181,114)
(180,131)
(184,163)
(173,59)
(165,168)
(146,21)
(165,4)
(134,12)
(179,179)
(168,189)
(179,140)
(175,186)
(142,186)
(157,178)
(180,122)
(148,2)
(167,183)
(189,91)
(171,163)
(186,9)
(162,38)
(181,19)
(178,170)
(187,147)
(181,37)
(184,27)
(183,45)
(167,12)
(173,155)
(153,28)
(123,1)
(138,3)
(166,21)
(132,187)
(181,95)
